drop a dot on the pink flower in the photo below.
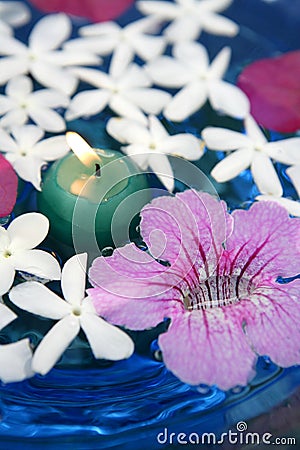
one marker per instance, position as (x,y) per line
(219,288)
(8,187)
(95,10)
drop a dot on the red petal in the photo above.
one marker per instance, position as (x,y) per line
(273,88)
(8,187)
(95,10)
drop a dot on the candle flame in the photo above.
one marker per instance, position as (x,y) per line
(84,152)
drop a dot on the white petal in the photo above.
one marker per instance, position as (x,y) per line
(6,104)
(254,132)
(7,144)
(27,136)
(46,118)
(19,87)
(138,153)
(37,262)
(50,98)
(232,165)
(11,46)
(286,151)
(7,275)
(73,279)
(215,5)
(265,176)
(137,28)
(11,67)
(294,174)
(5,30)
(164,10)
(99,29)
(186,102)
(76,58)
(15,361)
(28,230)
(185,28)
(128,131)
(229,99)
(125,108)
(50,32)
(192,53)
(223,139)
(291,206)
(99,45)
(13,118)
(54,344)
(94,77)
(161,166)
(157,130)
(149,47)
(184,145)
(121,58)
(87,103)
(15,13)
(220,63)
(219,25)
(38,299)
(6,315)
(134,76)
(106,341)
(52,148)
(54,77)
(151,101)
(168,72)
(29,169)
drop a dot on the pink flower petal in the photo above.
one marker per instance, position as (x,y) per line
(132,289)
(208,347)
(273,326)
(8,187)
(272,86)
(185,230)
(260,245)
(95,10)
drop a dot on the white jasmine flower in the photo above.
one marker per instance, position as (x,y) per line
(292,206)
(16,250)
(74,313)
(109,37)
(189,17)
(150,144)
(21,103)
(127,93)
(251,150)
(27,151)
(190,68)
(12,14)
(41,58)
(15,358)
(294,172)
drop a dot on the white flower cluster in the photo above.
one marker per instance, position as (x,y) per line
(17,253)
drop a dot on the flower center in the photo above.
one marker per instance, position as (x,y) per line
(7,254)
(218,291)
(77,311)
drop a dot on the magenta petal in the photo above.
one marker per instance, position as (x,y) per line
(95,10)
(272,86)
(273,326)
(8,187)
(208,347)
(264,243)
(186,230)
(131,289)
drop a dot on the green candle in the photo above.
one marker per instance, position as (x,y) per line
(90,197)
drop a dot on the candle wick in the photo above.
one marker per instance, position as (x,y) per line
(98,170)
